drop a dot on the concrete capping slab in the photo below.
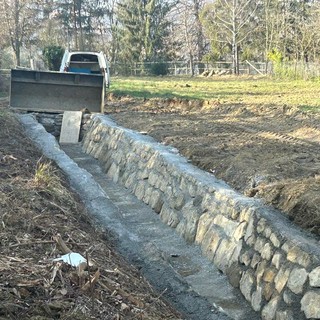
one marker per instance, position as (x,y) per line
(70,129)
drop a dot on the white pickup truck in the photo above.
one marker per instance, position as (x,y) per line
(86,62)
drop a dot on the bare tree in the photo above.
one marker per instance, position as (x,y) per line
(197,6)
(19,22)
(188,31)
(106,26)
(231,20)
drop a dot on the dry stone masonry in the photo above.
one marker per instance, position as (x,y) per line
(273,263)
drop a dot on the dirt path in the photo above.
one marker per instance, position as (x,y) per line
(37,211)
(262,151)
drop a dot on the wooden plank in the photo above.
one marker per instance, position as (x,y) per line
(70,129)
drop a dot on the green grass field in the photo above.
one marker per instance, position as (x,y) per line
(226,90)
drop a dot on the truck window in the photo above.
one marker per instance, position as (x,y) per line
(84,63)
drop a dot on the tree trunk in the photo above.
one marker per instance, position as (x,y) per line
(235,63)
(234,54)
(200,37)
(75,31)
(17,43)
(81,40)
(17,53)
(191,65)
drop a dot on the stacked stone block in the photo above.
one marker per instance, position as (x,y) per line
(273,263)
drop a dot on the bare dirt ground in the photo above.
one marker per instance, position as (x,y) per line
(262,151)
(41,219)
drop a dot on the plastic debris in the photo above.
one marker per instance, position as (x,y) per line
(72,258)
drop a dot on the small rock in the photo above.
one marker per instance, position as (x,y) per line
(256,299)
(297,279)
(234,274)
(246,284)
(124,307)
(310,305)
(267,252)
(288,297)
(284,315)
(296,255)
(269,311)
(269,275)
(314,277)
(276,259)
(275,241)
(268,291)
(281,279)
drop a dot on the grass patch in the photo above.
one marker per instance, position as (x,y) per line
(45,176)
(47,181)
(226,90)
(312,109)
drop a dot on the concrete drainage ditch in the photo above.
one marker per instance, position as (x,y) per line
(273,264)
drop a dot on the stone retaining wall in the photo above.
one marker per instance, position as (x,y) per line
(273,263)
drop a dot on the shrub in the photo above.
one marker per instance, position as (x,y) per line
(283,69)
(275,56)
(159,69)
(52,57)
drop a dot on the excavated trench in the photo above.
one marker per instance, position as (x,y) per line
(228,238)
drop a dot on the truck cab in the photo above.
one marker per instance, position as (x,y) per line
(86,62)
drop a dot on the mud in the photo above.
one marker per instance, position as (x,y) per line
(266,151)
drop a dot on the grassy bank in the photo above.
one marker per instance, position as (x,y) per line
(226,90)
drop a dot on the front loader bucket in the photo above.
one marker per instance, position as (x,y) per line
(48,91)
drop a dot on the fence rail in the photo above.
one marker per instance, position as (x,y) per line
(284,70)
(178,68)
(288,70)
(297,70)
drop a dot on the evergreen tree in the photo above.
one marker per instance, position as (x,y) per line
(79,21)
(142,30)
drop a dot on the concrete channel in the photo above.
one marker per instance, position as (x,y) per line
(188,279)
(190,234)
